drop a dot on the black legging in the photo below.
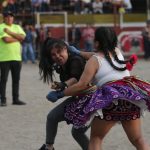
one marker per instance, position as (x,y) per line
(57,115)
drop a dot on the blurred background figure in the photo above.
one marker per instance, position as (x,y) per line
(77,6)
(28,51)
(74,36)
(146,40)
(45,4)
(127,6)
(41,36)
(88,37)
(107,6)
(34,37)
(49,33)
(35,5)
(97,6)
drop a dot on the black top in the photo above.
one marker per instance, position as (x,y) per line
(72,69)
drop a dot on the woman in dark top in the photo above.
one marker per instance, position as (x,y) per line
(56,57)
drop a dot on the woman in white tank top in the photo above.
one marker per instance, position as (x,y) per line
(118,97)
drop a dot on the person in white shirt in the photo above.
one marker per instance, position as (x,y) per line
(97,6)
(119,97)
(128,6)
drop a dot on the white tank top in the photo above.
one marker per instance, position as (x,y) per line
(106,72)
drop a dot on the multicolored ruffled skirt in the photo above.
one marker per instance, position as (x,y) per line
(119,100)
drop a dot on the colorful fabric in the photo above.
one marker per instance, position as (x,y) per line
(123,110)
(90,89)
(84,108)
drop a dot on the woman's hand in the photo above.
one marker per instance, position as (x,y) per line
(59,86)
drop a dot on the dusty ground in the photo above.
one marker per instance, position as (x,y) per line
(23,127)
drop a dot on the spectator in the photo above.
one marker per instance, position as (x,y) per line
(45,5)
(88,37)
(127,5)
(34,35)
(10,56)
(107,6)
(35,5)
(11,6)
(27,45)
(77,6)
(74,36)
(97,6)
(41,32)
(146,39)
(49,33)
(86,6)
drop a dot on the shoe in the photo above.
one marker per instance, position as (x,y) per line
(3,104)
(44,147)
(19,102)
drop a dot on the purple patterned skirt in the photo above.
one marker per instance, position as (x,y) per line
(118,100)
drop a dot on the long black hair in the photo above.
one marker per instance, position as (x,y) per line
(46,63)
(107,42)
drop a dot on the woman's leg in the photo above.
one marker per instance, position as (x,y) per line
(99,129)
(55,116)
(80,137)
(134,133)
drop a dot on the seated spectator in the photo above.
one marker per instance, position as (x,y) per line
(65,5)
(107,6)
(56,5)
(97,6)
(44,5)
(77,6)
(86,6)
(35,4)
(24,6)
(128,6)
(10,5)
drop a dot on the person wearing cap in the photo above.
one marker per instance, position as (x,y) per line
(11,36)
(146,40)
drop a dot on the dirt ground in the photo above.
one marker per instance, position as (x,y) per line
(23,127)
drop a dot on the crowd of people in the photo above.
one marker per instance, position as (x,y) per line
(98,80)
(72,6)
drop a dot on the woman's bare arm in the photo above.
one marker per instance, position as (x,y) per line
(87,76)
